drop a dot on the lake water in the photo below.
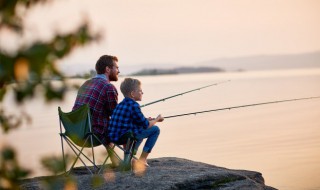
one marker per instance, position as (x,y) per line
(282,141)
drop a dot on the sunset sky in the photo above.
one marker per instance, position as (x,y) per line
(181,32)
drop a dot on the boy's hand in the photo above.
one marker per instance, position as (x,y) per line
(159,118)
(150,118)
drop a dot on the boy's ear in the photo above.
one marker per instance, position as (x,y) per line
(132,93)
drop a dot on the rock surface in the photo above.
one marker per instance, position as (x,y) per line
(163,173)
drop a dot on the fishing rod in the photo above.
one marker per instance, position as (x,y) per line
(242,106)
(180,94)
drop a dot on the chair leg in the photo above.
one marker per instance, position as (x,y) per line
(74,146)
(94,161)
(132,150)
(125,150)
(64,160)
(128,154)
(111,152)
(78,157)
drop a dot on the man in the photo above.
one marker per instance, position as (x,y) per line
(100,95)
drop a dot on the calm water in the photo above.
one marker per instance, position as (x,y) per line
(282,141)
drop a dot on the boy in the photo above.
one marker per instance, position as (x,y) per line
(127,116)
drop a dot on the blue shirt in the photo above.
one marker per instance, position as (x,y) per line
(127,116)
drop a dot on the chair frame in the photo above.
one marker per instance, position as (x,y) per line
(128,152)
(90,137)
(79,151)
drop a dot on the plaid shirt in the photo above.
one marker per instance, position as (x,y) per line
(102,98)
(126,116)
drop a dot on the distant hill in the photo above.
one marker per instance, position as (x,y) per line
(266,62)
(179,70)
(248,63)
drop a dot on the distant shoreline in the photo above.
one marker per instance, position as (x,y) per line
(178,70)
(227,64)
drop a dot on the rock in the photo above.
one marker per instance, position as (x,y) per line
(163,173)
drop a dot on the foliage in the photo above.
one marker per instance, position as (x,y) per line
(9,13)
(26,70)
(54,164)
(33,66)
(10,171)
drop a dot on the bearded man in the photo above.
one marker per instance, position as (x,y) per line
(100,95)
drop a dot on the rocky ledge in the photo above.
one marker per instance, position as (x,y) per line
(163,173)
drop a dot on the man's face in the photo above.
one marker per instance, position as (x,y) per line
(114,71)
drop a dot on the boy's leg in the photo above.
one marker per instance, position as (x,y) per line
(151,134)
(143,157)
(141,164)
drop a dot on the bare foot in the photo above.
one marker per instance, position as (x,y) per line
(138,167)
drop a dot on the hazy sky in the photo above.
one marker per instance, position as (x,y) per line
(182,31)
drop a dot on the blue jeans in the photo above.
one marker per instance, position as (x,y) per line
(151,134)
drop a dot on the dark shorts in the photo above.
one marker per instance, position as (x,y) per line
(103,137)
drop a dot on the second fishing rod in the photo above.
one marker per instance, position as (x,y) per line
(242,106)
(180,94)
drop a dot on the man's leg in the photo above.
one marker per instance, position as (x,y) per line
(109,146)
(114,159)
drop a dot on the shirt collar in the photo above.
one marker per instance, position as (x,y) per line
(130,99)
(101,76)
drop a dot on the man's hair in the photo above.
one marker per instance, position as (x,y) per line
(105,61)
(129,85)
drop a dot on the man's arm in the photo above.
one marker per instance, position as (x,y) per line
(111,99)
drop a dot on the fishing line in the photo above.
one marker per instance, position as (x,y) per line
(220,109)
(163,99)
(242,106)
(180,94)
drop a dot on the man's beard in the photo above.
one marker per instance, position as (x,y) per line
(113,77)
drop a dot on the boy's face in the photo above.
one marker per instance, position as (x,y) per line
(137,94)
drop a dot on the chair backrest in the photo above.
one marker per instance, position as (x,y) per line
(77,125)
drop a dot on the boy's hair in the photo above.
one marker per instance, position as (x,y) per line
(105,61)
(129,85)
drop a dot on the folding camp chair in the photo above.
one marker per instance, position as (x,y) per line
(78,135)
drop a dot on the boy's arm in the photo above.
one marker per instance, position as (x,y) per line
(152,122)
(138,118)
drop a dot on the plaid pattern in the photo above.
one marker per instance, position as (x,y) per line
(102,98)
(126,116)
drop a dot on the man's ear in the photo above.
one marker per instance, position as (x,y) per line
(107,70)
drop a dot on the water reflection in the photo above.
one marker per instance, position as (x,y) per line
(282,141)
